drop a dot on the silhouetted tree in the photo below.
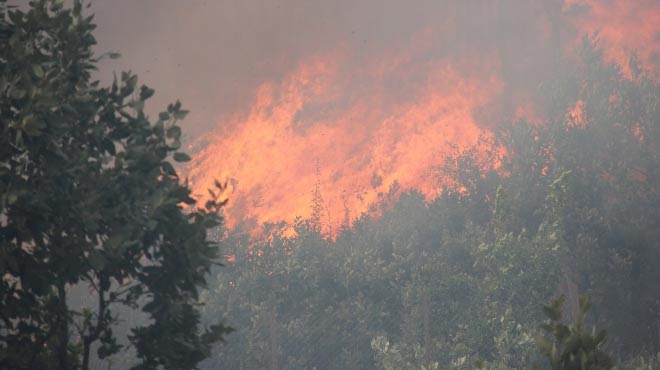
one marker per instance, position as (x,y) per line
(89,197)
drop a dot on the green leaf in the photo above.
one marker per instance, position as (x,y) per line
(146,92)
(109,146)
(180,114)
(15,16)
(38,71)
(181,157)
(174,132)
(96,260)
(168,169)
(12,198)
(33,125)
(131,82)
(17,93)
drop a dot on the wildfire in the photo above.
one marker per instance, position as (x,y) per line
(575,116)
(623,27)
(343,130)
(303,131)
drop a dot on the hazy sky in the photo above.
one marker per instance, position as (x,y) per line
(213,54)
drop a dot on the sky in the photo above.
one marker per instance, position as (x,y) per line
(212,55)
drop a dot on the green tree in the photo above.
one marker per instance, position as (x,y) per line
(572,347)
(89,197)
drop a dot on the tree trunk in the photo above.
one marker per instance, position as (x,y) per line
(63,329)
(273,340)
(572,297)
(427,331)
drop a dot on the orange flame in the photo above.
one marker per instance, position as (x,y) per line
(575,116)
(623,27)
(362,144)
(342,136)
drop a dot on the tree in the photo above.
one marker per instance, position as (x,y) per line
(89,197)
(572,347)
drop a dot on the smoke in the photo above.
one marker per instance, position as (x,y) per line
(214,54)
(360,97)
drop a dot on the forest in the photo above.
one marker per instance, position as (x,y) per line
(540,250)
(572,209)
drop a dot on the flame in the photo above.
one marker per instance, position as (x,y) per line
(304,130)
(575,116)
(623,27)
(345,128)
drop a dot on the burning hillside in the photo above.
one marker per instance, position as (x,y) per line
(350,124)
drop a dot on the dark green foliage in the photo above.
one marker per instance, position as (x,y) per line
(89,198)
(572,347)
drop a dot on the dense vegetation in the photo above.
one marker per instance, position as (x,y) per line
(90,202)
(90,205)
(574,207)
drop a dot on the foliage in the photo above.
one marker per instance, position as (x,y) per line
(572,347)
(641,362)
(392,357)
(89,197)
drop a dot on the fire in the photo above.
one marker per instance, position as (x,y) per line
(344,128)
(356,146)
(623,27)
(575,116)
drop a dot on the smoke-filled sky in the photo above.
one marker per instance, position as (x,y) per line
(214,54)
(354,96)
